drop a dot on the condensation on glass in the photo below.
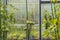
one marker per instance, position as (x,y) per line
(18,7)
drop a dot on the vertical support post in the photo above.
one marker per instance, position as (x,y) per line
(27,31)
(26,10)
(40,36)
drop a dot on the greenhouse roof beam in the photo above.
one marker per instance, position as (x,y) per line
(43,2)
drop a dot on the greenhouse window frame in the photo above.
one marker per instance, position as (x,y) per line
(40,26)
(43,2)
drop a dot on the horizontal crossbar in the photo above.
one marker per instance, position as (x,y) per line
(43,2)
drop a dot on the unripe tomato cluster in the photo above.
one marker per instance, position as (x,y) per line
(30,22)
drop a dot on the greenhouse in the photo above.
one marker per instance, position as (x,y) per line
(29,19)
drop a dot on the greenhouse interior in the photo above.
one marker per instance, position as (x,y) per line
(29,19)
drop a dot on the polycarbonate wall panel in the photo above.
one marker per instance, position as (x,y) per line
(32,6)
(43,8)
(21,6)
(18,7)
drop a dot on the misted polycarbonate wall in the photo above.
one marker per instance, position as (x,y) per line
(18,7)
(33,8)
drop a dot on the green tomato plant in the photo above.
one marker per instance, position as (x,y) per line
(6,20)
(52,25)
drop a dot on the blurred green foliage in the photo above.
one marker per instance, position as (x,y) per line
(52,25)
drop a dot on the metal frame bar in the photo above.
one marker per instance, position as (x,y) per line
(40,34)
(42,2)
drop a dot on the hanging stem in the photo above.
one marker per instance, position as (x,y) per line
(56,30)
(52,10)
(54,16)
